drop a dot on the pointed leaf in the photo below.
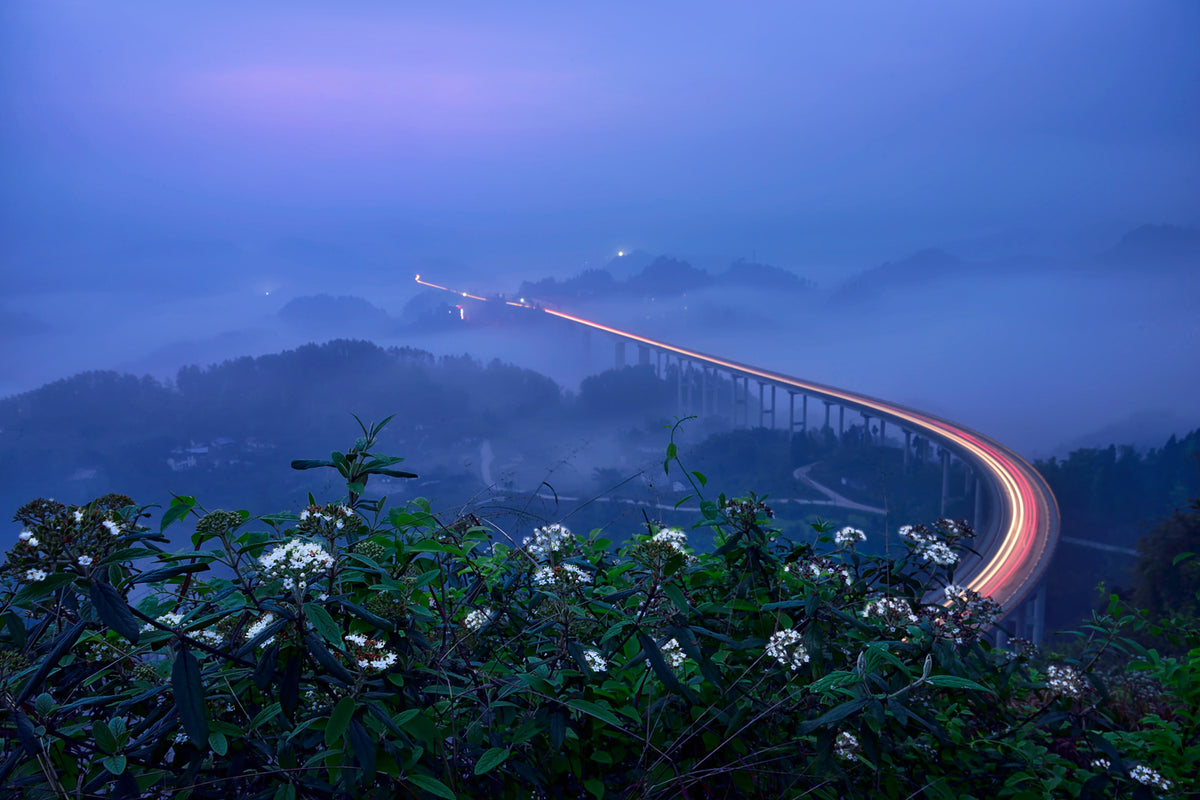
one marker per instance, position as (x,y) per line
(323,623)
(61,647)
(339,720)
(189,696)
(112,609)
(309,463)
(432,785)
(490,760)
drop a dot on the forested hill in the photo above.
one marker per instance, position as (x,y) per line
(239,423)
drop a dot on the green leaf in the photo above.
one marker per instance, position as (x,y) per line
(162,573)
(836,714)
(393,473)
(113,610)
(595,710)
(700,478)
(490,760)
(339,720)
(955,682)
(104,737)
(16,628)
(43,705)
(189,696)
(432,785)
(114,764)
(595,786)
(308,463)
(35,591)
(363,746)
(181,505)
(324,624)
(672,591)
(317,650)
(218,743)
(61,647)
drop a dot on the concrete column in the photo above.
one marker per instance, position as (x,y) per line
(841,421)
(791,412)
(827,405)
(762,409)
(1039,614)
(866,418)
(804,413)
(774,419)
(945,479)
(907,446)
(882,431)
(620,353)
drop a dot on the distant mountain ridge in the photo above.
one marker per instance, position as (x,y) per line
(664,276)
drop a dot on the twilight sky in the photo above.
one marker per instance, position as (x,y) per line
(505,133)
(228,149)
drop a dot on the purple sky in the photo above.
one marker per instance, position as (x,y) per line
(500,133)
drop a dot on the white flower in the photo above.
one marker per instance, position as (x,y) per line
(1148,777)
(113,528)
(35,575)
(784,646)
(260,626)
(78,515)
(675,537)
(595,661)
(1066,681)
(939,553)
(848,537)
(85,561)
(846,746)
(893,612)
(549,540)
(356,638)
(672,653)
(566,575)
(32,541)
(477,619)
(25,536)
(1101,763)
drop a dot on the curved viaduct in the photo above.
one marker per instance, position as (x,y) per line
(1017,540)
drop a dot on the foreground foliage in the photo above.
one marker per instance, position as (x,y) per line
(352,650)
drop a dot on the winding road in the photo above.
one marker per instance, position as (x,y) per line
(1017,544)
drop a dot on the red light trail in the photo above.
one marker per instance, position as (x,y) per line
(1015,551)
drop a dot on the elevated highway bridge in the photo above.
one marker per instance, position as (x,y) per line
(1016,515)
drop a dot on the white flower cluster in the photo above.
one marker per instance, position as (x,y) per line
(112,527)
(28,539)
(966,615)
(477,619)
(928,545)
(848,537)
(1148,777)
(672,652)
(819,570)
(1066,681)
(595,661)
(297,562)
(369,653)
(35,575)
(784,646)
(893,612)
(170,619)
(259,626)
(846,746)
(549,540)
(564,575)
(330,517)
(1101,763)
(674,537)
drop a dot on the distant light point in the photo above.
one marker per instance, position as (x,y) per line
(620,253)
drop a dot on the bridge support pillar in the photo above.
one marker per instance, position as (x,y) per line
(791,412)
(867,427)
(841,421)
(827,405)
(804,414)
(882,431)
(907,447)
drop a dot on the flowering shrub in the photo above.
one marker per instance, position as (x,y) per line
(356,651)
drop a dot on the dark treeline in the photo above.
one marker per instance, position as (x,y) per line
(1113,497)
